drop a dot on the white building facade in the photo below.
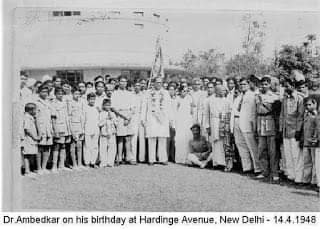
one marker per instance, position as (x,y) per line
(80,45)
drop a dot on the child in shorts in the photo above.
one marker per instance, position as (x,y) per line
(31,138)
(44,127)
(108,145)
(76,118)
(61,130)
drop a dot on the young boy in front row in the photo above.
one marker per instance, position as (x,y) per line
(76,118)
(309,140)
(108,144)
(91,131)
(61,130)
(31,138)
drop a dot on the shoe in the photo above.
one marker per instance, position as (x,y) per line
(150,163)
(132,163)
(164,163)
(202,166)
(260,176)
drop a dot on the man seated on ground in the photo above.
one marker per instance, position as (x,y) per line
(199,148)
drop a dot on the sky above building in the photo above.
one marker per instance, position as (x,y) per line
(222,30)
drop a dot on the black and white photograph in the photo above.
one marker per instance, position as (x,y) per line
(145,109)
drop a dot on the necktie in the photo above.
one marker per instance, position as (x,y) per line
(240,104)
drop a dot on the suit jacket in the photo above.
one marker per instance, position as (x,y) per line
(247,114)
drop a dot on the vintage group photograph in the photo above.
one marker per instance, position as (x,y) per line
(171,110)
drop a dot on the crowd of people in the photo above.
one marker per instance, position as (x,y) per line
(261,127)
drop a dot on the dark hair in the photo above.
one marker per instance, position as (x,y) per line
(47,81)
(291,82)
(266,79)
(244,79)
(231,78)
(58,89)
(314,98)
(112,79)
(107,100)
(219,80)
(74,89)
(96,84)
(195,126)
(54,78)
(91,95)
(87,83)
(97,77)
(65,82)
(29,107)
(43,87)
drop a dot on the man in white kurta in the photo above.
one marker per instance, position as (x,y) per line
(138,128)
(157,120)
(218,107)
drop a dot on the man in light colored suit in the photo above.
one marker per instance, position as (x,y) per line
(243,125)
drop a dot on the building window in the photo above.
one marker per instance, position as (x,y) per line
(76,13)
(73,76)
(66,13)
(138,13)
(57,13)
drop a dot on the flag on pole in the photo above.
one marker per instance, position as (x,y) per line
(157,65)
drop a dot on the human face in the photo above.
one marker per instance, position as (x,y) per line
(65,87)
(123,83)
(210,89)
(244,86)
(91,101)
(99,88)
(57,82)
(33,111)
(137,87)
(265,86)
(143,84)
(165,85)
(23,80)
(184,92)
(158,84)
(76,95)
(288,87)
(172,91)
(311,106)
(197,85)
(82,88)
(89,86)
(303,89)
(230,84)
(43,94)
(50,85)
(106,106)
(59,95)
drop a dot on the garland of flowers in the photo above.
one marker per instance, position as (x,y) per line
(156,102)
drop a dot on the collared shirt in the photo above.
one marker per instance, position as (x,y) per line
(310,133)
(291,117)
(108,123)
(61,125)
